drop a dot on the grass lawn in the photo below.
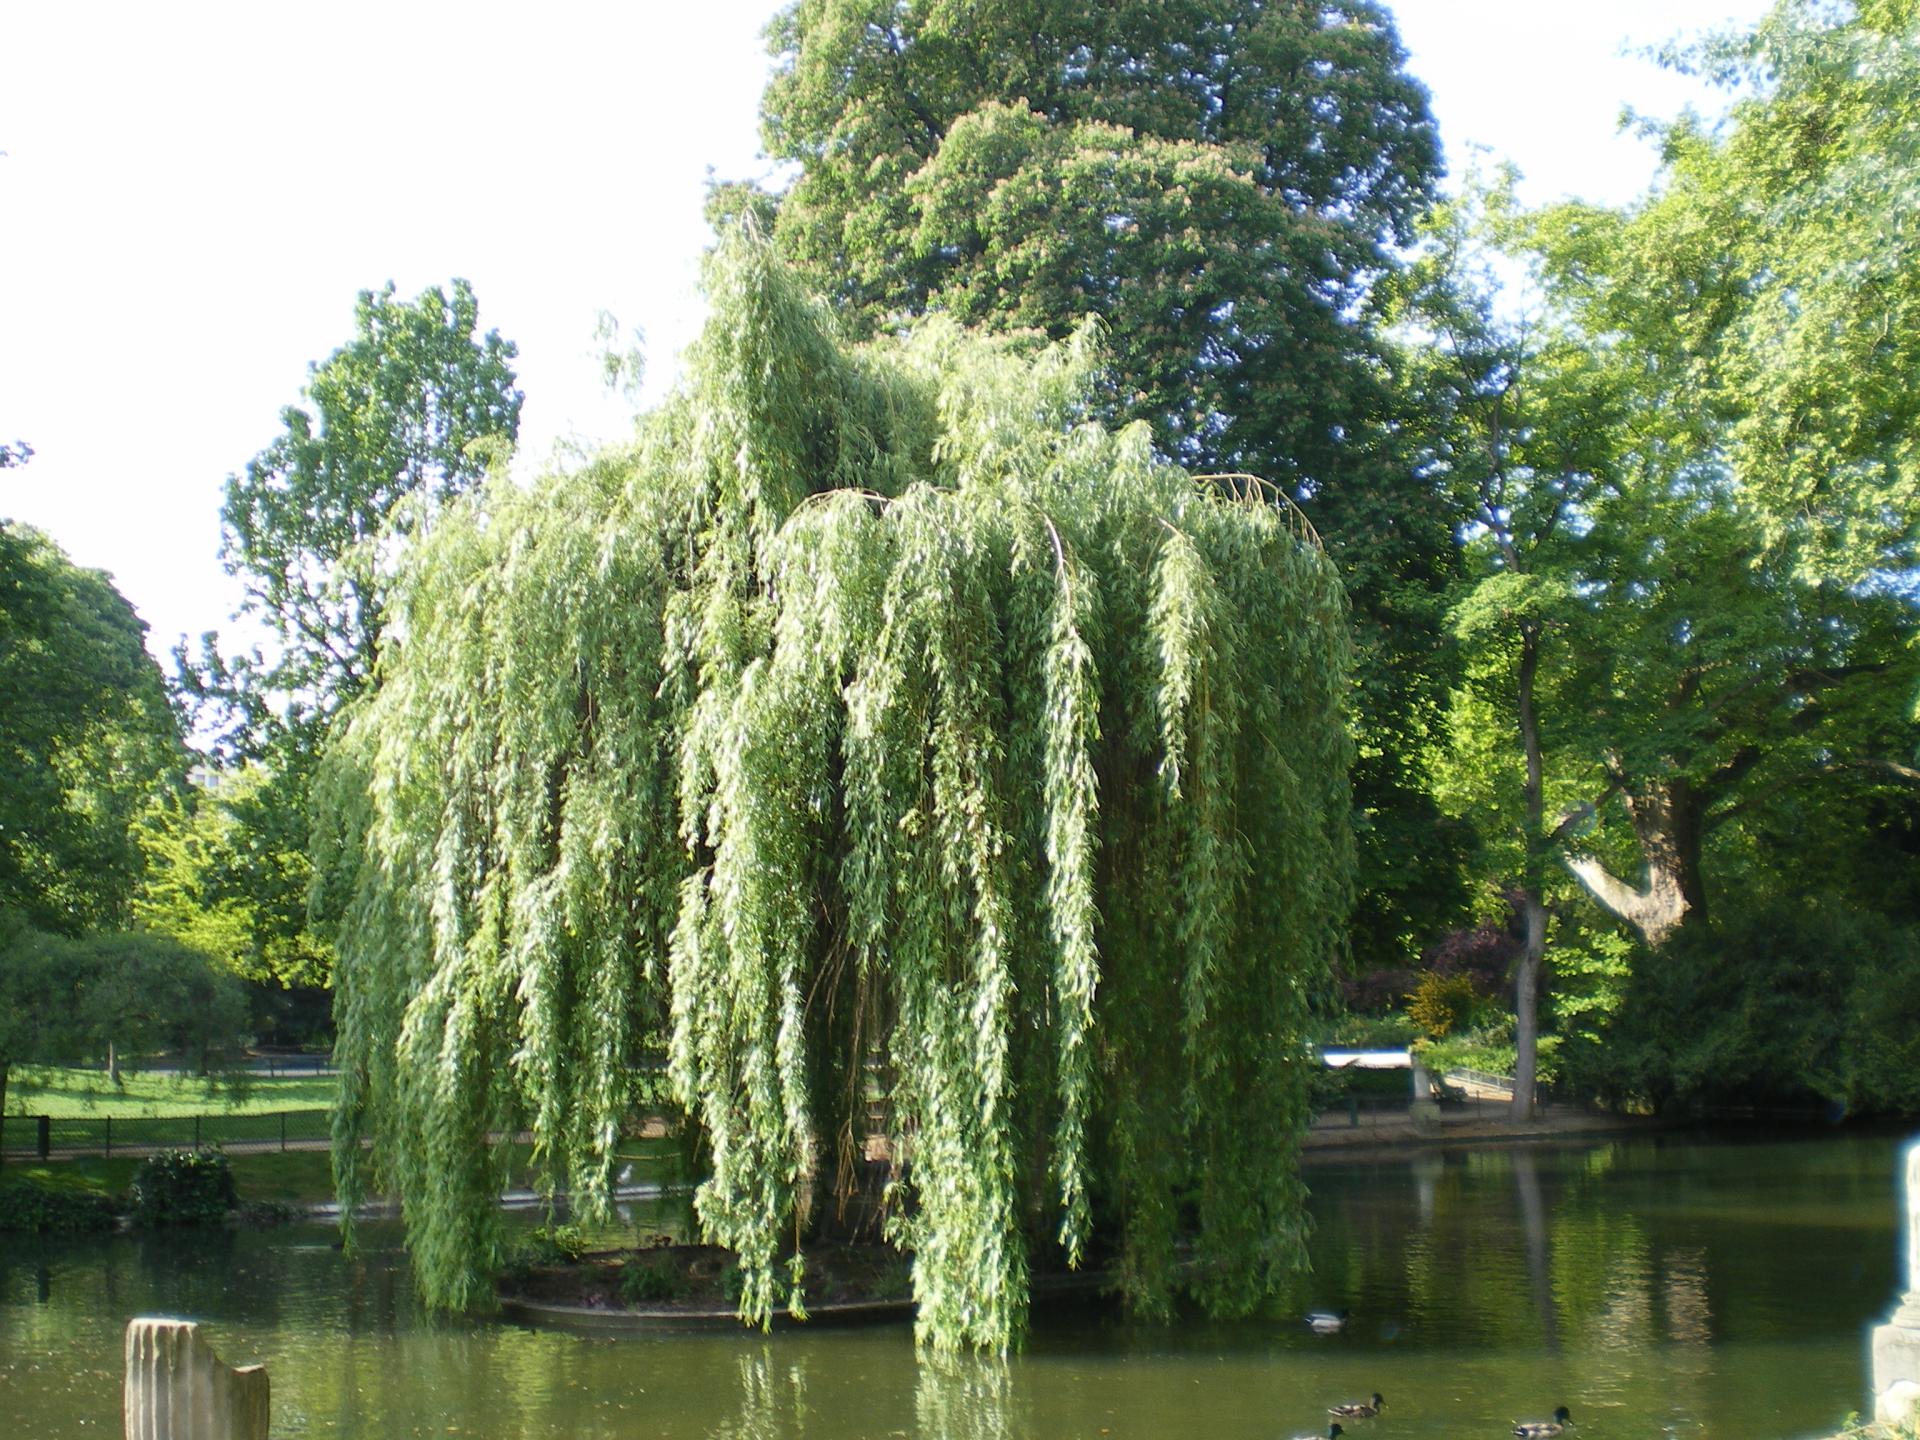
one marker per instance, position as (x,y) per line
(298,1177)
(293,1177)
(70,1094)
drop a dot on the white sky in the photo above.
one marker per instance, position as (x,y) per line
(193,195)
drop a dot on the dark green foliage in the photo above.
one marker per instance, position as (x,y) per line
(545,1245)
(651,1281)
(65,999)
(875,721)
(1222,182)
(1216,179)
(1789,1004)
(87,738)
(183,1187)
(28,1208)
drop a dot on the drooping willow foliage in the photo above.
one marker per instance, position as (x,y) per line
(887,766)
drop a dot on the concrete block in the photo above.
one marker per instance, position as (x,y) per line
(1896,1344)
(178,1389)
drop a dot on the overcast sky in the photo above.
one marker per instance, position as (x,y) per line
(192,196)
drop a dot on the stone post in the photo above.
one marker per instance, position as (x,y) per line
(1896,1344)
(1421,1108)
(178,1389)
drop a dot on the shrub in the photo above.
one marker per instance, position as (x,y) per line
(642,1281)
(183,1187)
(36,1209)
(1441,1004)
(546,1245)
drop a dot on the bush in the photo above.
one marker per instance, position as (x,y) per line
(643,1281)
(37,1210)
(183,1187)
(546,1245)
(1795,1004)
(1357,1031)
(1441,1004)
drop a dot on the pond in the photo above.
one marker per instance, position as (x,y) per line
(1680,1286)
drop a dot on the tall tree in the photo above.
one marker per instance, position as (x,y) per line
(217,853)
(1765,298)
(876,719)
(405,417)
(1654,664)
(401,420)
(87,738)
(1221,181)
(64,999)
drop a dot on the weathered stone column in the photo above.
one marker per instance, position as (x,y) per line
(1896,1344)
(1421,1108)
(178,1389)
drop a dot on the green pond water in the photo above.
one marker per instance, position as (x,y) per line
(1675,1286)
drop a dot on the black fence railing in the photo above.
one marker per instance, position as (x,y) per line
(41,1135)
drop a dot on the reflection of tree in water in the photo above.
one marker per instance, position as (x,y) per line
(1533,1225)
(961,1398)
(970,1399)
(772,1398)
(1689,1359)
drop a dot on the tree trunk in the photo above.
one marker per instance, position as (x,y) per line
(5,1065)
(1526,980)
(113,1064)
(1526,1003)
(1666,823)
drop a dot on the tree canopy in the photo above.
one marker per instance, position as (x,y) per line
(397,412)
(87,738)
(1688,615)
(1223,182)
(64,998)
(932,772)
(404,417)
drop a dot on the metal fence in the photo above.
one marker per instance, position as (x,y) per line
(41,1135)
(1483,1079)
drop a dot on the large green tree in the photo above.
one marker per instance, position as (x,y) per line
(1222,182)
(1764,300)
(87,738)
(399,421)
(1690,630)
(109,993)
(213,851)
(876,721)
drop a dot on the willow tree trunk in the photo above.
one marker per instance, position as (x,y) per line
(1526,980)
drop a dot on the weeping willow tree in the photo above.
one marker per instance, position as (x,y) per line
(893,770)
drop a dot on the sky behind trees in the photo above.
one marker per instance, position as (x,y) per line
(194,203)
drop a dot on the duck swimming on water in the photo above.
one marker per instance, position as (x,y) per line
(1326,1322)
(1362,1410)
(1544,1429)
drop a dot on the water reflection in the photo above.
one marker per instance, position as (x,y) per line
(1647,1286)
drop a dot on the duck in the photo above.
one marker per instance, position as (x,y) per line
(1334,1432)
(1326,1322)
(1362,1409)
(1543,1429)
